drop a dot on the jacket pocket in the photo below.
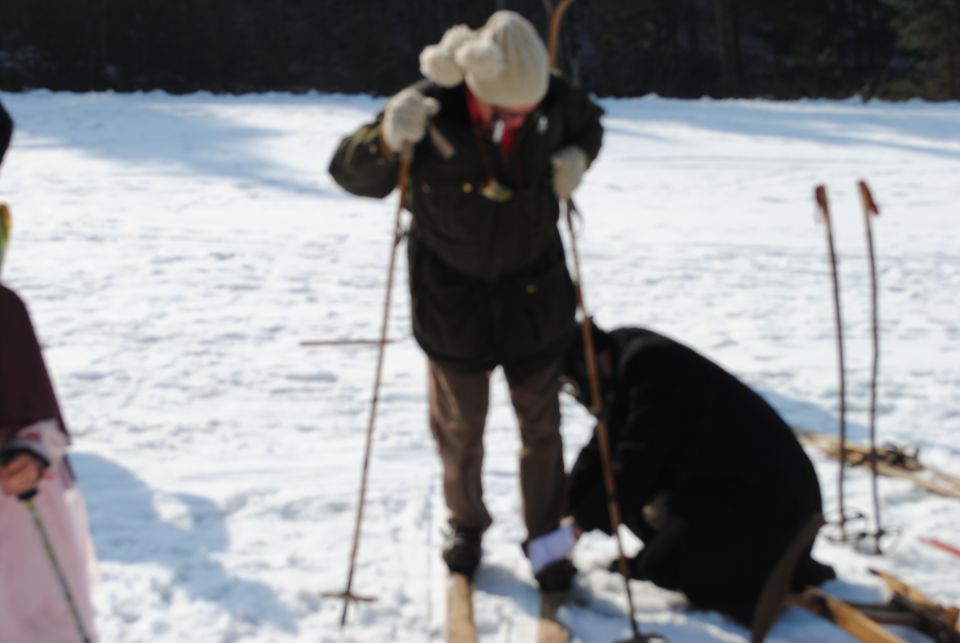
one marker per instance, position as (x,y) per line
(538,314)
(450,311)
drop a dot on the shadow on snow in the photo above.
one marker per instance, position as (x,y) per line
(127,528)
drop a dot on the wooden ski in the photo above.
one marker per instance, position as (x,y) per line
(892,461)
(908,607)
(845,616)
(933,619)
(460,625)
(549,627)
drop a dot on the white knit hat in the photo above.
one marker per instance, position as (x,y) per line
(504,62)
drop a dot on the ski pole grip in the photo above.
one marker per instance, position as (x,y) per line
(7,456)
(406,152)
(30,494)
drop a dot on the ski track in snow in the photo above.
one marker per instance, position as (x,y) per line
(174,252)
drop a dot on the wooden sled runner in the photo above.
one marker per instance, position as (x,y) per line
(908,607)
(549,627)
(892,461)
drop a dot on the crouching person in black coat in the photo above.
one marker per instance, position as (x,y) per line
(708,476)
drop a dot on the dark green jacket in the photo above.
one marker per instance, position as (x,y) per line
(488,280)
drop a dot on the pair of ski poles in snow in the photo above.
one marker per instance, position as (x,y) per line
(27,497)
(870,210)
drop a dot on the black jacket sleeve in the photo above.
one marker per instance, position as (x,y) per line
(6,131)
(363,165)
(648,417)
(587,498)
(582,119)
(636,465)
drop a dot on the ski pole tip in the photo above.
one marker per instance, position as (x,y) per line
(644,638)
(868,201)
(820,194)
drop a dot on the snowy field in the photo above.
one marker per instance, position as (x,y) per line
(175,251)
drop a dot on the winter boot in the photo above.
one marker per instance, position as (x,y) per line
(462,551)
(811,573)
(557,576)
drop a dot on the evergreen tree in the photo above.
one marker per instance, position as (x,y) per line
(684,48)
(931,28)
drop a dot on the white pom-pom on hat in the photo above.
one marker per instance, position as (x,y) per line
(438,62)
(504,63)
(482,58)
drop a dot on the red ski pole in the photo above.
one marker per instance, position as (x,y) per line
(821,196)
(870,210)
(939,544)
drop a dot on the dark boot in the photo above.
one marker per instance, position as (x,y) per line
(557,576)
(462,551)
(811,573)
(634,566)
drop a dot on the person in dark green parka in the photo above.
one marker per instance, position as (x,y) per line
(488,278)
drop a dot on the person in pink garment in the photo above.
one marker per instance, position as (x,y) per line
(33,442)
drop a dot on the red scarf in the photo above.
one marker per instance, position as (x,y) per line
(509,133)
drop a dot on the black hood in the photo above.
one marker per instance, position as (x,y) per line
(6,131)
(575,364)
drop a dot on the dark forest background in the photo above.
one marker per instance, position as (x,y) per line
(684,48)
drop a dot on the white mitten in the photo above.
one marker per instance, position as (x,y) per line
(405,117)
(569,164)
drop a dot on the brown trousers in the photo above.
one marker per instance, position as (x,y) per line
(458,413)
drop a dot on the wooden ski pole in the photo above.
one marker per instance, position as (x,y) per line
(406,156)
(596,398)
(27,499)
(556,17)
(870,210)
(821,196)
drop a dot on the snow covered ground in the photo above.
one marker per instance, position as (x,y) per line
(175,251)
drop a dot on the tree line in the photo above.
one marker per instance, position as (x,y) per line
(684,48)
